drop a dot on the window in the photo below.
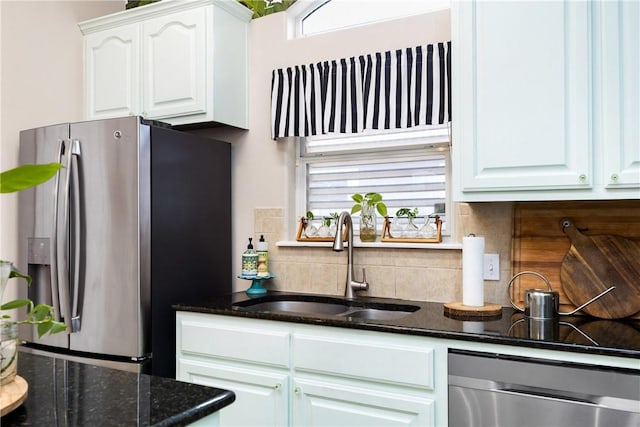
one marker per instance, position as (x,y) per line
(408,167)
(319,16)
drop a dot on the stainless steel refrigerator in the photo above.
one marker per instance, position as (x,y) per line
(138,219)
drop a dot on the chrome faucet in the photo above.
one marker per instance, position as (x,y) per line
(338,246)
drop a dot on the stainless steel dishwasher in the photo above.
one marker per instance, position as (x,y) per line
(498,390)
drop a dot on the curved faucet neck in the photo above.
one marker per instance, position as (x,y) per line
(338,245)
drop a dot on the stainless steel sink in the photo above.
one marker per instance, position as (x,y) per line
(328,306)
(377,314)
(311,307)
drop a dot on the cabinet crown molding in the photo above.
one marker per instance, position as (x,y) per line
(160,8)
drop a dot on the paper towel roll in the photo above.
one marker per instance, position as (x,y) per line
(473,271)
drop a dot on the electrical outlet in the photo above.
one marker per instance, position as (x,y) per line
(491,267)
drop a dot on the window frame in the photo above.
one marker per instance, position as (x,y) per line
(301,9)
(416,147)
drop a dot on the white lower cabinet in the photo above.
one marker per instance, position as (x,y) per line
(261,395)
(288,374)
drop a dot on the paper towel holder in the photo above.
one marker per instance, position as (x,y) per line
(457,310)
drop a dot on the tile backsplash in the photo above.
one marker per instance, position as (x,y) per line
(411,274)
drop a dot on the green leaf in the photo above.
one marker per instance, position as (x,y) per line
(16,303)
(17,273)
(309,215)
(50,326)
(381,208)
(42,312)
(373,198)
(355,209)
(57,327)
(43,328)
(357,198)
(27,176)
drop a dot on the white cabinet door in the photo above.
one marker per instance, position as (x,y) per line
(521,96)
(174,64)
(319,403)
(112,62)
(619,107)
(261,395)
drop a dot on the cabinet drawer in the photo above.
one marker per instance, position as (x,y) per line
(387,360)
(212,336)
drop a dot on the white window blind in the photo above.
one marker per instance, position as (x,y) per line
(408,168)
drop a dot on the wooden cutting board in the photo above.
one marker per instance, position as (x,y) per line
(595,263)
(540,245)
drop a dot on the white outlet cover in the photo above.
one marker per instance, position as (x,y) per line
(491,267)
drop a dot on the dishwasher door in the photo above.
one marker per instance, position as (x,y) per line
(498,390)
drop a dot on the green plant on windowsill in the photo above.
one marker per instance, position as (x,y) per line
(367,205)
(323,228)
(411,229)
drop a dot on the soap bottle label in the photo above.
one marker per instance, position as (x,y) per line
(249,264)
(263,263)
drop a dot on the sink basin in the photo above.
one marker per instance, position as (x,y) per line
(328,306)
(311,307)
(377,314)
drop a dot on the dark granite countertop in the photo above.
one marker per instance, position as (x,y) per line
(65,393)
(581,334)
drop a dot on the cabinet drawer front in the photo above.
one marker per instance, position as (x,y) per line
(212,336)
(382,361)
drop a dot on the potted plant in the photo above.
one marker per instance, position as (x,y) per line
(265,7)
(367,205)
(329,222)
(398,229)
(40,315)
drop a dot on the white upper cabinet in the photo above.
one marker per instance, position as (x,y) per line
(174,64)
(527,120)
(112,72)
(618,101)
(181,62)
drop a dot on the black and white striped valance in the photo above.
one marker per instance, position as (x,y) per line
(390,90)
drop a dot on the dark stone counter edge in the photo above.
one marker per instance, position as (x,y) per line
(408,330)
(198,412)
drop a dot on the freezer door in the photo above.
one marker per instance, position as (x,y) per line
(110,211)
(37,213)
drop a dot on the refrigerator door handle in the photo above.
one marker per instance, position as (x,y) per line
(77,236)
(55,300)
(62,237)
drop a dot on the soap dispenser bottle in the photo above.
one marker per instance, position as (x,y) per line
(249,261)
(262,249)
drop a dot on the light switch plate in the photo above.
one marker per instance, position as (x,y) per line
(491,267)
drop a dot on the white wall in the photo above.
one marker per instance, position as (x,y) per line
(40,79)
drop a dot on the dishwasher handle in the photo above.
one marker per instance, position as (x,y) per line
(545,394)
(609,402)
